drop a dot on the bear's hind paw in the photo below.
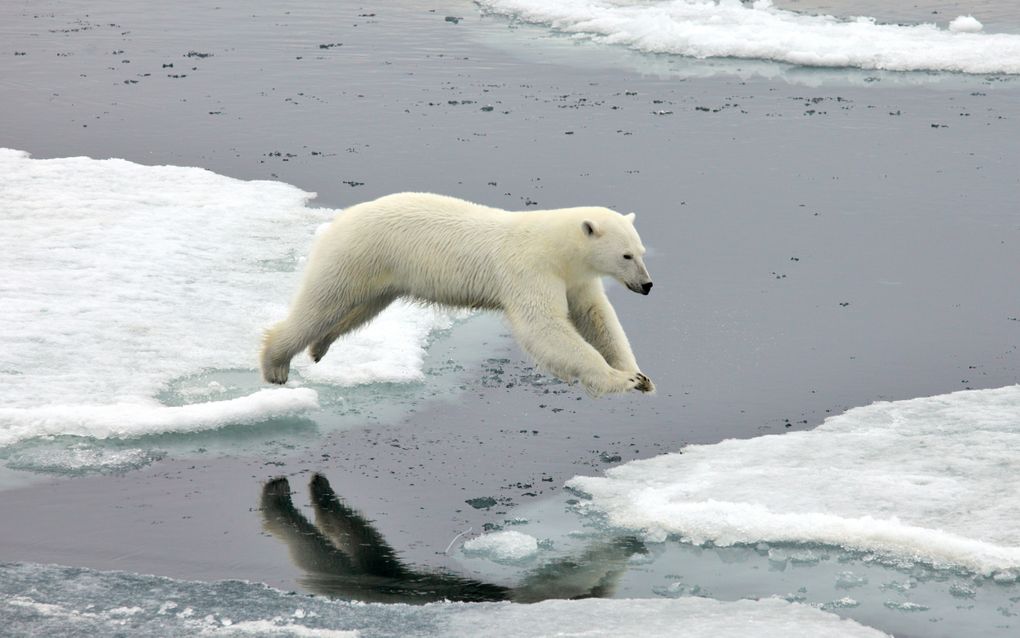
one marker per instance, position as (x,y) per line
(276,374)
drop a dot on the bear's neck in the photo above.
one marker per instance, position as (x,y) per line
(547,240)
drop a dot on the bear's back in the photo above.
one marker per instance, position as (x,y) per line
(431,246)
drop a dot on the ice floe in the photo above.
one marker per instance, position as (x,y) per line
(758,30)
(927,480)
(119,280)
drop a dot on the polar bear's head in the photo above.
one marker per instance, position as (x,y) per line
(616,249)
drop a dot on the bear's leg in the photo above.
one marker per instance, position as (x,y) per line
(548,335)
(312,551)
(595,319)
(352,534)
(357,317)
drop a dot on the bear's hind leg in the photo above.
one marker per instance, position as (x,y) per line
(281,343)
(309,320)
(357,317)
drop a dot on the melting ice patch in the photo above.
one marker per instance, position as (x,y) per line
(928,480)
(41,600)
(118,279)
(728,28)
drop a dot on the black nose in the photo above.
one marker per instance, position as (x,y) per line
(645,288)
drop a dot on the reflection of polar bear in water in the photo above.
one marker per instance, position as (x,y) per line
(344,556)
(542,268)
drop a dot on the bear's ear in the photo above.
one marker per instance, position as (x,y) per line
(630,217)
(591,229)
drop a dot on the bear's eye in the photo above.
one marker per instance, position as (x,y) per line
(628,256)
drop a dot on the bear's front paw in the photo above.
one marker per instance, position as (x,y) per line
(618,381)
(644,384)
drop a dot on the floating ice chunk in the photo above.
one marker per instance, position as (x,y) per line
(503,547)
(965,24)
(848,580)
(906,606)
(842,603)
(118,279)
(728,28)
(921,480)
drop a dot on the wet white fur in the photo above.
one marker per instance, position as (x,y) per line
(542,268)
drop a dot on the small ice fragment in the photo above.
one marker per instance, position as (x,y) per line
(848,580)
(805,557)
(965,24)
(778,556)
(843,603)
(503,547)
(672,590)
(905,606)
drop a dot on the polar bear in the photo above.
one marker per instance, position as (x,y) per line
(542,268)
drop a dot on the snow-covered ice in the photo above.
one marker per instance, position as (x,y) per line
(758,30)
(120,279)
(926,479)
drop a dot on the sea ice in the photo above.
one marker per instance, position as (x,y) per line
(920,480)
(41,600)
(729,28)
(120,279)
